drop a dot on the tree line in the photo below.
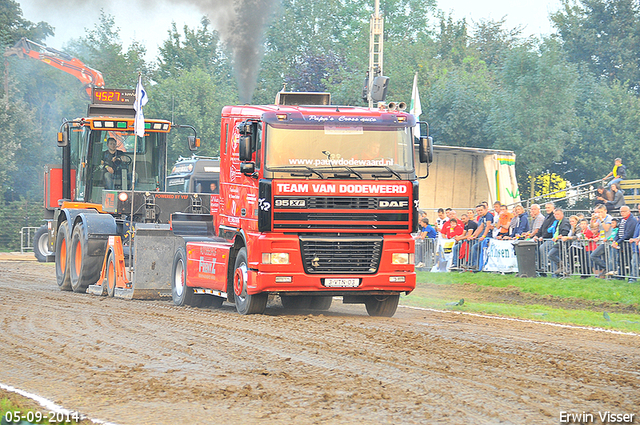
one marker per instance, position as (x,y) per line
(567,103)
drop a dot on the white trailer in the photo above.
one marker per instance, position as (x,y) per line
(460,178)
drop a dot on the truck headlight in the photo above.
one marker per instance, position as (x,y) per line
(275,258)
(400,258)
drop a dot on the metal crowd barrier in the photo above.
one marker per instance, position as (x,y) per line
(588,258)
(425,254)
(561,259)
(469,255)
(26,238)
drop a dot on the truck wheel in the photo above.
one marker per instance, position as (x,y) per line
(296,302)
(181,293)
(246,303)
(382,306)
(321,303)
(84,270)
(111,279)
(62,257)
(41,244)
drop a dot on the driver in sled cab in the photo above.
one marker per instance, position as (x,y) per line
(112,163)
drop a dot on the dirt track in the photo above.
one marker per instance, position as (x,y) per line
(148,362)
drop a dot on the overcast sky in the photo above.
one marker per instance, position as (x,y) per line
(149,21)
(532,15)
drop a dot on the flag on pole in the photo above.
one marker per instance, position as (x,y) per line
(416,108)
(140,101)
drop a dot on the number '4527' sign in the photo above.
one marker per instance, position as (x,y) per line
(113,96)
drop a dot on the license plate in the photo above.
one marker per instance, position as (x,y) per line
(341,283)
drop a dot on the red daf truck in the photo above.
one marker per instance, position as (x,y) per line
(316,201)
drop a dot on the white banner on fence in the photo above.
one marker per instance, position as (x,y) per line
(500,257)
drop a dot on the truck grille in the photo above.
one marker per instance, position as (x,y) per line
(343,203)
(341,255)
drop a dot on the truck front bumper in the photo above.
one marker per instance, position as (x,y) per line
(331,284)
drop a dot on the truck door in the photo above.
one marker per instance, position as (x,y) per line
(249,187)
(78,143)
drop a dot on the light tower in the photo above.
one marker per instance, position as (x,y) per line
(375,49)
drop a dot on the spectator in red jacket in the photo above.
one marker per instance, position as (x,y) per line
(452,228)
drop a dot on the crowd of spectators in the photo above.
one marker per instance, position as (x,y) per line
(599,245)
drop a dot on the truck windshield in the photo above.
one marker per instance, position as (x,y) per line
(115,170)
(324,147)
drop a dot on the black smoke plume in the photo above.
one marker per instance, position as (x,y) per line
(241,24)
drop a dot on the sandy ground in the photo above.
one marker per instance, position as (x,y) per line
(148,362)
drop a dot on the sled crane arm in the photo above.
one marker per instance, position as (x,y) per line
(89,77)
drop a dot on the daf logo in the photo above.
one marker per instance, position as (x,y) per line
(393,204)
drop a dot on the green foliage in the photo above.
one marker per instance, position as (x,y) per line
(325,46)
(605,35)
(194,49)
(461,100)
(20,171)
(452,41)
(11,143)
(16,215)
(533,112)
(491,41)
(608,128)
(13,26)
(193,98)
(102,49)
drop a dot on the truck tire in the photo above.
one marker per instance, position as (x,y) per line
(63,244)
(321,303)
(41,244)
(382,306)
(181,293)
(84,270)
(246,303)
(110,279)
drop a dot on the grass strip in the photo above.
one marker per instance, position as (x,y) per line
(624,322)
(591,289)
(12,402)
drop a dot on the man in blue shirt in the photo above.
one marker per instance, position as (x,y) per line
(520,223)
(634,259)
(626,231)
(562,230)
(427,230)
(480,238)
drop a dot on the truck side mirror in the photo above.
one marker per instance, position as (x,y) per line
(244,128)
(63,140)
(194,143)
(244,148)
(424,129)
(425,149)
(247,168)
